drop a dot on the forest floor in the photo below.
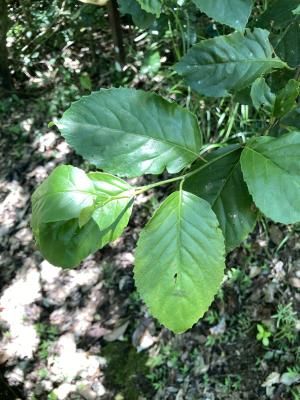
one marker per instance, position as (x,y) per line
(85,334)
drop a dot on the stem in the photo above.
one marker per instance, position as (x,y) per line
(115,22)
(143,189)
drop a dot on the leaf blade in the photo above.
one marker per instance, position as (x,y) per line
(178,272)
(130,132)
(79,227)
(222,185)
(261,95)
(271,171)
(215,67)
(234,13)
(151,6)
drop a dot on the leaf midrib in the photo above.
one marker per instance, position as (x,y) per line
(270,160)
(225,183)
(270,60)
(136,134)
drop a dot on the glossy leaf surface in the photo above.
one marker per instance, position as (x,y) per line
(271,169)
(221,183)
(234,13)
(218,66)
(130,132)
(92,210)
(62,195)
(180,260)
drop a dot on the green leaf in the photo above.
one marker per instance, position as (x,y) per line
(85,81)
(80,215)
(218,66)
(140,17)
(287,44)
(180,261)
(234,13)
(113,214)
(151,63)
(285,100)
(221,183)
(296,11)
(130,132)
(291,377)
(62,195)
(292,119)
(65,244)
(262,95)
(278,14)
(271,170)
(151,6)
(85,215)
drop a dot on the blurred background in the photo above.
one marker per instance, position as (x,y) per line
(84,333)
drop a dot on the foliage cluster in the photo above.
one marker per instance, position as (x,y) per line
(222,190)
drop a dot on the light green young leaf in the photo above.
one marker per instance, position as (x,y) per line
(130,132)
(285,100)
(112,215)
(234,13)
(271,170)
(262,95)
(68,227)
(221,183)
(151,6)
(62,195)
(180,261)
(218,66)
(65,244)
(140,17)
(85,215)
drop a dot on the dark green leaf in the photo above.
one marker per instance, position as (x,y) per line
(285,100)
(130,132)
(262,95)
(287,44)
(221,183)
(234,13)
(140,17)
(217,66)
(180,261)
(271,170)
(278,14)
(151,6)
(292,119)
